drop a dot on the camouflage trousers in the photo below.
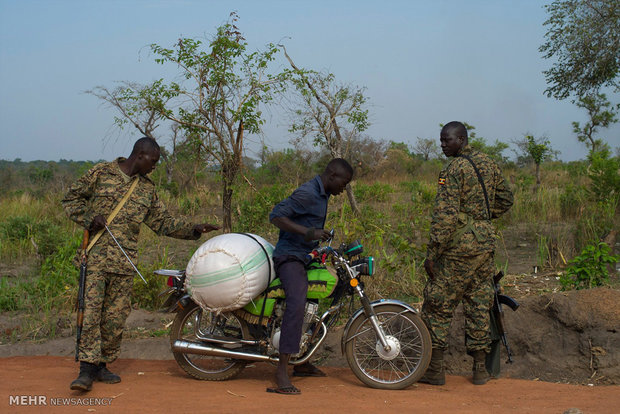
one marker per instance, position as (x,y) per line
(460,279)
(107,305)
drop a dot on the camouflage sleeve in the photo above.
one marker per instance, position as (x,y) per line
(503,198)
(445,213)
(161,222)
(76,202)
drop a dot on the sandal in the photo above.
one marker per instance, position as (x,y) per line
(289,390)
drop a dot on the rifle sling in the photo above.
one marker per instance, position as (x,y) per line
(114,212)
(481,181)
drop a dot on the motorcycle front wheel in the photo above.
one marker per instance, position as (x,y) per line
(407,358)
(194,319)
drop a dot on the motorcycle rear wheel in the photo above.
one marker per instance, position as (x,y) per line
(205,367)
(398,368)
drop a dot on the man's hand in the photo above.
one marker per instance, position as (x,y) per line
(429,266)
(323,234)
(97,224)
(205,228)
(316,234)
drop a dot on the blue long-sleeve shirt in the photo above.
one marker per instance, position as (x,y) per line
(307,206)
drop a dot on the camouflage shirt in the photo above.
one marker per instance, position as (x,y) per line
(460,225)
(98,192)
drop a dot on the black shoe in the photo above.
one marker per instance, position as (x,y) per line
(481,376)
(436,373)
(104,375)
(84,381)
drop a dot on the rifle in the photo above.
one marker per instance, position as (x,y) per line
(81,291)
(498,312)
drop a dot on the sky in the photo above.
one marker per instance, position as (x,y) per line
(423,63)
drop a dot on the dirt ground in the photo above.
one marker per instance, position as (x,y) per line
(161,387)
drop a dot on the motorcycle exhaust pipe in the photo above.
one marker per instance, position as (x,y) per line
(186,347)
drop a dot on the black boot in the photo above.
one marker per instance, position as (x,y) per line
(84,381)
(435,374)
(104,375)
(481,376)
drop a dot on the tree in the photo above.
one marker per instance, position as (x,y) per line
(583,37)
(539,149)
(601,113)
(332,113)
(426,147)
(217,100)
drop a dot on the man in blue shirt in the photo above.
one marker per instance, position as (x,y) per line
(301,219)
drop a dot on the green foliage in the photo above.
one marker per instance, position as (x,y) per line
(43,235)
(189,205)
(589,269)
(146,295)
(542,250)
(39,177)
(596,220)
(576,169)
(376,191)
(254,212)
(601,114)
(604,176)
(494,151)
(539,150)
(423,193)
(53,288)
(291,166)
(572,200)
(584,42)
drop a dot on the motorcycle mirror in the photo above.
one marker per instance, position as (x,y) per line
(331,237)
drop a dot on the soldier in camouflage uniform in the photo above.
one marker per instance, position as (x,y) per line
(109,277)
(459,260)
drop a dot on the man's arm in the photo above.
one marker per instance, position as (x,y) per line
(76,201)
(310,233)
(503,198)
(163,223)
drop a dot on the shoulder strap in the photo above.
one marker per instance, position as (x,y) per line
(481,181)
(114,212)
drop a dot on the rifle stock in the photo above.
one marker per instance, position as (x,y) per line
(498,311)
(81,292)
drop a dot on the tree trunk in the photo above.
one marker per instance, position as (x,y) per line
(230,169)
(537,176)
(227,193)
(352,200)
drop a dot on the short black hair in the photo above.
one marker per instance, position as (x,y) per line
(339,164)
(457,126)
(145,144)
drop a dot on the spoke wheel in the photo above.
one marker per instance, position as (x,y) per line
(407,358)
(207,367)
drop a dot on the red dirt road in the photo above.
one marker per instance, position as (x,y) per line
(162,387)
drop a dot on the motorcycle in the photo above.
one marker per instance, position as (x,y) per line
(385,342)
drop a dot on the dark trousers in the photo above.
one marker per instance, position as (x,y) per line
(292,272)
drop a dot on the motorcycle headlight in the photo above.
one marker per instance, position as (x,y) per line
(364,265)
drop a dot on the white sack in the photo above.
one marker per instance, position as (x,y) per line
(229,270)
